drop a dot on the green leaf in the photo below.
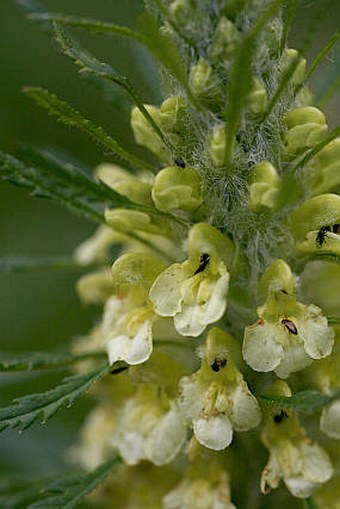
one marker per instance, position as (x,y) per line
(165,51)
(67,492)
(241,79)
(288,19)
(333,320)
(90,25)
(15,264)
(327,47)
(18,493)
(309,503)
(29,409)
(90,65)
(41,360)
(45,184)
(71,117)
(304,401)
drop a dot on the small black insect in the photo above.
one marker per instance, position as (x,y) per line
(179,162)
(290,326)
(336,228)
(321,235)
(218,364)
(278,418)
(204,262)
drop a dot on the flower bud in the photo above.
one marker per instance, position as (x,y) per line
(257,98)
(315,224)
(136,188)
(323,171)
(289,57)
(96,287)
(225,41)
(216,145)
(177,188)
(306,128)
(145,134)
(126,221)
(265,188)
(203,81)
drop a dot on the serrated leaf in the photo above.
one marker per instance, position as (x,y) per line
(19,495)
(304,401)
(66,493)
(42,360)
(47,178)
(90,25)
(32,408)
(71,117)
(45,184)
(90,65)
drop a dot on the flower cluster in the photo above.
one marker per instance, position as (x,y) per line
(214,298)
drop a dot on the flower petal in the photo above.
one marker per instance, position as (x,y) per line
(165,292)
(316,466)
(295,359)
(215,432)
(299,487)
(191,397)
(260,349)
(194,318)
(317,336)
(130,446)
(132,350)
(245,412)
(167,438)
(330,420)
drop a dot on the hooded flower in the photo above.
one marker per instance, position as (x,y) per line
(216,400)
(195,292)
(302,464)
(128,314)
(150,427)
(288,334)
(204,486)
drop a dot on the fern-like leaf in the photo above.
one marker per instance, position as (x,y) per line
(46,185)
(66,493)
(32,408)
(90,25)
(304,401)
(42,360)
(90,65)
(71,117)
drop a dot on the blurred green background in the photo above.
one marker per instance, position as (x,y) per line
(40,310)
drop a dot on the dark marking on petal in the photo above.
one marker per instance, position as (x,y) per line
(336,228)
(290,326)
(278,418)
(218,364)
(204,262)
